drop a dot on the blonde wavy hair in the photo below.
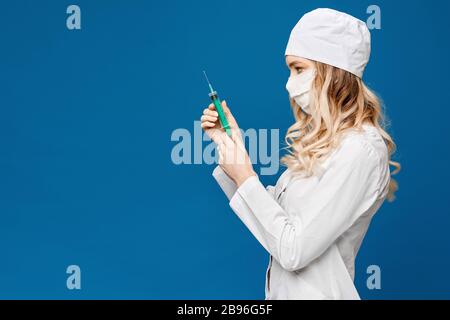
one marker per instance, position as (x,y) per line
(342,102)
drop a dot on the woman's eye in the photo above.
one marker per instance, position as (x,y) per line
(298,69)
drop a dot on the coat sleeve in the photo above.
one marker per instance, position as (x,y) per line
(229,188)
(346,190)
(227,184)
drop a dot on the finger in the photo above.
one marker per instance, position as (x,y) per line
(223,154)
(208,118)
(210,112)
(228,142)
(241,147)
(228,113)
(225,106)
(208,124)
(233,135)
(222,141)
(236,136)
(220,160)
(212,106)
(219,139)
(220,150)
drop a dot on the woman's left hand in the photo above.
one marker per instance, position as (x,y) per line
(233,158)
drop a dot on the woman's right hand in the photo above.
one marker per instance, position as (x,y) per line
(211,124)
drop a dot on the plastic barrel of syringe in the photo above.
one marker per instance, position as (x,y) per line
(223,119)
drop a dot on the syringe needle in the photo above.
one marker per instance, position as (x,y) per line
(209,83)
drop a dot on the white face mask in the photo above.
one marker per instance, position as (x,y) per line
(299,87)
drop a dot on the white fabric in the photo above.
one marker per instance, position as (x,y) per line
(331,37)
(299,87)
(313,227)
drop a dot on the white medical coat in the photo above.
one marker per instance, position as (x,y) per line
(313,227)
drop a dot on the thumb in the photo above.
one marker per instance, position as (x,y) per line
(230,117)
(225,107)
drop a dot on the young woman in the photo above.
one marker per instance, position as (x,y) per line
(314,220)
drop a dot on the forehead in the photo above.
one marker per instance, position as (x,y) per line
(291,59)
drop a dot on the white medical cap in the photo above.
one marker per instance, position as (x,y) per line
(331,37)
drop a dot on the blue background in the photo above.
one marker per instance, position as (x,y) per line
(86,176)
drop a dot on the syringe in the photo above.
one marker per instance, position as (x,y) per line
(215,99)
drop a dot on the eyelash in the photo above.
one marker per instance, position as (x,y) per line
(298,68)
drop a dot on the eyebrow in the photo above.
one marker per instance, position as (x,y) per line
(294,62)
